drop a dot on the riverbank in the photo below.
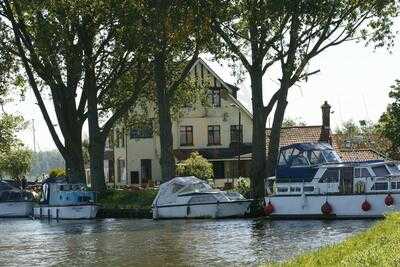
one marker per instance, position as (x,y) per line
(126,203)
(378,246)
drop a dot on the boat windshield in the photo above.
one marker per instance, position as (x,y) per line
(393,168)
(331,156)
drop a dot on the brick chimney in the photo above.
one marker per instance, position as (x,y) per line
(326,123)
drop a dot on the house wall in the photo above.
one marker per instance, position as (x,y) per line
(199,117)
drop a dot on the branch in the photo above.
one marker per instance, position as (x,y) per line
(232,46)
(185,71)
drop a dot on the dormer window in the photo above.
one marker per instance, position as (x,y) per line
(214,97)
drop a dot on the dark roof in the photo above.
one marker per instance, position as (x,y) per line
(214,153)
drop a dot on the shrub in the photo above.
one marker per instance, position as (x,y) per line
(197,166)
(243,187)
(57,172)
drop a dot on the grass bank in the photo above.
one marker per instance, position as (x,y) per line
(126,203)
(378,246)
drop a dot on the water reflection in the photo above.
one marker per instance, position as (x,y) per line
(171,243)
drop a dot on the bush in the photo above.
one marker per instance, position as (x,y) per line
(243,187)
(57,172)
(125,199)
(196,166)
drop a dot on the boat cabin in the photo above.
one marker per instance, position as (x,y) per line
(315,168)
(59,192)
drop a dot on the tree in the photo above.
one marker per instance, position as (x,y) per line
(315,26)
(261,33)
(16,162)
(82,54)
(10,125)
(196,166)
(175,39)
(291,122)
(389,122)
(43,161)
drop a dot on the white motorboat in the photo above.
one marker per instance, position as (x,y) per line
(190,197)
(14,202)
(312,182)
(63,200)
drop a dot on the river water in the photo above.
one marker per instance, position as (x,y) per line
(112,242)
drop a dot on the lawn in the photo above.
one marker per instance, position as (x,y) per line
(378,246)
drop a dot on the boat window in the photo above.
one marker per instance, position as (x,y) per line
(316,157)
(177,187)
(393,168)
(295,189)
(282,160)
(365,172)
(395,185)
(331,156)
(308,188)
(202,199)
(380,170)
(282,189)
(300,160)
(357,172)
(330,176)
(380,186)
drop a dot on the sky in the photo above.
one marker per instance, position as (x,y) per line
(354,79)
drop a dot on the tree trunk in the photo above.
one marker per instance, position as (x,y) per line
(259,141)
(74,165)
(275,135)
(167,160)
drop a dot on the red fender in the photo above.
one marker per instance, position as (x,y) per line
(389,200)
(365,206)
(269,208)
(326,208)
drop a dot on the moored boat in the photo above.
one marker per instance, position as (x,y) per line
(14,202)
(190,197)
(63,200)
(312,182)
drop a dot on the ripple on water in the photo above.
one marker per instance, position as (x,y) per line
(175,242)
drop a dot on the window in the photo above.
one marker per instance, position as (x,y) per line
(299,160)
(308,189)
(145,131)
(282,160)
(315,157)
(380,170)
(295,189)
(361,173)
(186,135)
(380,186)
(395,185)
(330,176)
(214,97)
(282,189)
(236,133)
(214,135)
(393,168)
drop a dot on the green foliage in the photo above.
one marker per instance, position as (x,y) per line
(291,122)
(57,172)
(243,187)
(44,161)
(389,123)
(10,125)
(124,199)
(196,166)
(377,246)
(16,162)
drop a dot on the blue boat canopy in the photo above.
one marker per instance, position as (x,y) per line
(298,162)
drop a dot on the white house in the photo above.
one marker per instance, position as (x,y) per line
(212,130)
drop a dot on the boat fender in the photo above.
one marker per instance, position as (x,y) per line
(366,206)
(269,208)
(389,200)
(326,208)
